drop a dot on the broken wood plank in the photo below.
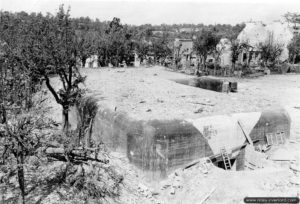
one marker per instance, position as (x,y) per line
(245,133)
(75,156)
(201,103)
(249,167)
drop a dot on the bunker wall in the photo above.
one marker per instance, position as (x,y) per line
(161,146)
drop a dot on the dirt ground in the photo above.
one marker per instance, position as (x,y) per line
(148,93)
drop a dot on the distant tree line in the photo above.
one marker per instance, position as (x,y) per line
(114,42)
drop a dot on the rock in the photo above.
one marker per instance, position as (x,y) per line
(160,101)
(295,180)
(145,191)
(172,191)
(165,186)
(207,100)
(204,170)
(154,193)
(200,110)
(149,110)
(267,71)
(142,187)
(177,184)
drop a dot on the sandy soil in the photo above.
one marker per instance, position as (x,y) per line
(150,93)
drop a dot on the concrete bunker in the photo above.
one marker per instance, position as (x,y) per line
(210,83)
(160,146)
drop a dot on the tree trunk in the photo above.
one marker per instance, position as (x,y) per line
(20,171)
(2,114)
(83,61)
(294,59)
(199,64)
(215,66)
(265,63)
(204,63)
(65,114)
(89,134)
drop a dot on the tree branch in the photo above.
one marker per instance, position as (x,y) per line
(58,100)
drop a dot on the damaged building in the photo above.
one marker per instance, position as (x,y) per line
(256,33)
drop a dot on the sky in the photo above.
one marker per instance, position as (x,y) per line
(139,12)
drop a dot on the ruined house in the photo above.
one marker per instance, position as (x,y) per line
(256,33)
(224,48)
(183,48)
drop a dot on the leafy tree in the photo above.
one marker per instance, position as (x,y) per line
(293,18)
(21,120)
(115,44)
(160,47)
(142,42)
(236,48)
(21,137)
(143,49)
(233,33)
(50,47)
(294,48)
(205,43)
(270,51)
(235,51)
(177,53)
(32,48)
(86,41)
(102,49)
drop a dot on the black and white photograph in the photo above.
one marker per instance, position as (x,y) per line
(149,101)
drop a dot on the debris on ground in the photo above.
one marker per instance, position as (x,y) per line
(254,159)
(199,110)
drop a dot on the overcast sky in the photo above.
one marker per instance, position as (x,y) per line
(157,12)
